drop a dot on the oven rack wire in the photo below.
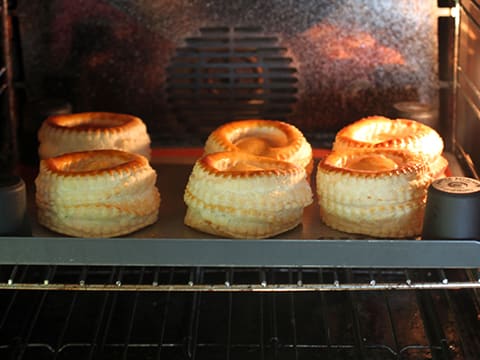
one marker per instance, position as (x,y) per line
(234,325)
(231,279)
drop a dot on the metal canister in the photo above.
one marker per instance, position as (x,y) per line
(13,209)
(453,209)
(422,112)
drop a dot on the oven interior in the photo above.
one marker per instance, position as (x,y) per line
(185,67)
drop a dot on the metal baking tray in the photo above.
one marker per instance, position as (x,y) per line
(169,242)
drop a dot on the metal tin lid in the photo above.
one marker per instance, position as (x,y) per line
(413,107)
(419,111)
(458,185)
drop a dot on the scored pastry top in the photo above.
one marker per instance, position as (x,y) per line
(269,138)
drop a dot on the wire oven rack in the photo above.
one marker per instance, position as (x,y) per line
(231,279)
(272,324)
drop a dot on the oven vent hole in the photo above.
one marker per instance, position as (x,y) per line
(229,73)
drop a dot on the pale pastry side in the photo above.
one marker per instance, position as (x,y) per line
(61,134)
(99,193)
(375,192)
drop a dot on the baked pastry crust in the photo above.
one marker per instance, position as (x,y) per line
(269,138)
(99,193)
(240,195)
(375,192)
(404,134)
(60,134)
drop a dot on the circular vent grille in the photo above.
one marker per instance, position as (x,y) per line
(230,73)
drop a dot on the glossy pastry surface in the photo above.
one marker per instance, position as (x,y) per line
(269,138)
(403,134)
(62,134)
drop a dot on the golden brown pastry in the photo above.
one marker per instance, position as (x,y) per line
(99,193)
(240,195)
(381,132)
(61,134)
(270,138)
(375,192)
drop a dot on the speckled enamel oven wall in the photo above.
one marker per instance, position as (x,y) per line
(346,59)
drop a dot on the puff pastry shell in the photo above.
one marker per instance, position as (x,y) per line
(60,134)
(99,193)
(270,138)
(404,134)
(239,195)
(375,192)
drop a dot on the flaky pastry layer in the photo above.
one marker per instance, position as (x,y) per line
(382,132)
(61,134)
(396,221)
(99,193)
(269,138)
(377,132)
(376,192)
(240,195)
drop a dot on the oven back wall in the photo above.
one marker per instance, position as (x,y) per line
(187,66)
